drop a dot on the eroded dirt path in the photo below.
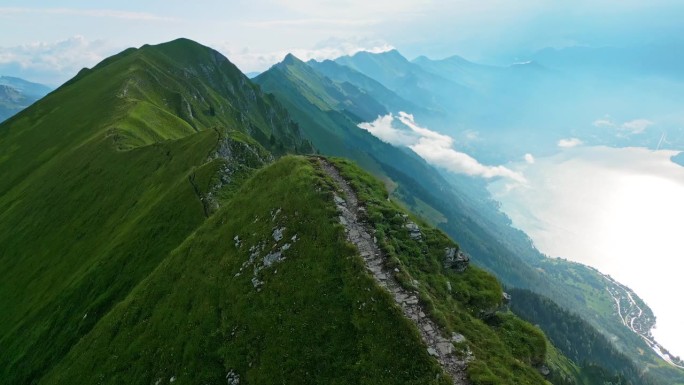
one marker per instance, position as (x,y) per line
(360,234)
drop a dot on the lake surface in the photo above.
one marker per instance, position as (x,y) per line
(620,210)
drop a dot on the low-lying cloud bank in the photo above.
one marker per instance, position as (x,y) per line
(437,149)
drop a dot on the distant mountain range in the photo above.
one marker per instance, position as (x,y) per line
(557,94)
(165,219)
(17,94)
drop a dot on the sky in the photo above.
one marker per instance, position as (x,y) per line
(45,42)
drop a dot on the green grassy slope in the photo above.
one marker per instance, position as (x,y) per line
(331,127)
(506,349)
(106,175)
(587,346)
(315,315)
(316,318)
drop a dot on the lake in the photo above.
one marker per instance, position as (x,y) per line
(620,210)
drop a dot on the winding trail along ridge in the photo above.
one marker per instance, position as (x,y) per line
(360,234)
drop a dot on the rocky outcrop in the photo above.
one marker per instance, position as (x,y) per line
(455,259)
(414,231)
(438,344)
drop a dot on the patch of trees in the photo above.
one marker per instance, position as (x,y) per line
(598,359)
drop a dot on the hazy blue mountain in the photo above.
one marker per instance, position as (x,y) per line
(410,81)
(461,71)
(388,98)
(498,114)
(17,94)
(27,88)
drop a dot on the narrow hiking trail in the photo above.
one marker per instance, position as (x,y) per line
(360,234)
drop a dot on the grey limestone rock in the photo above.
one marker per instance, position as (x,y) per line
(455,259)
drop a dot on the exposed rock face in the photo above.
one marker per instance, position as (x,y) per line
(439,344)
(232,378)
(544,370)
(414,230)
(455,259)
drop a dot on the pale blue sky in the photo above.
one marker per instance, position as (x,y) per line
(49,41)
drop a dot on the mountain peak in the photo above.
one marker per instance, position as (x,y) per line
(291,59)
(393,53)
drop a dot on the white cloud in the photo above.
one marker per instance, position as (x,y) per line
(437,149)
(604,122)
(570,142)
(529,158)
(53,62)
(383,130)
(636,126)
(248,60)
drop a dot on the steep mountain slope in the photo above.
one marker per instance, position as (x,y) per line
(587,347)
(17,94)
(106,175)
(265,291)
(323,111)
(410,81)
(335,132)
(343,74)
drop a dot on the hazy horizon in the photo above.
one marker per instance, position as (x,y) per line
(257,34)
